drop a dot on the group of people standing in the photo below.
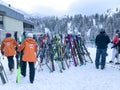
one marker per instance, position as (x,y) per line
(102,40)
(27,48)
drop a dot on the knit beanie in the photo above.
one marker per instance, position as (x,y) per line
(102,30)
(29,35)
(8,34)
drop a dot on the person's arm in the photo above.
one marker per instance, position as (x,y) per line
(108,40)
(2,47)
(16,44)
(96,40)
(21,47)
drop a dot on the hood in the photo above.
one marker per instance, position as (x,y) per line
(9,39)
(30,40)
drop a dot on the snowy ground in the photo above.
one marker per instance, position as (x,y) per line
(85,77)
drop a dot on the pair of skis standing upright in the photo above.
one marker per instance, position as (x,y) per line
(79,51)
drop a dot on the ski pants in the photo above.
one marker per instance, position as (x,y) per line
(114,52)
(31,70)
(10,62)
(100,58)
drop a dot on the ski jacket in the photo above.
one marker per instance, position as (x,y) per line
(29,48)
(115,40)
(8,46)
(102,41)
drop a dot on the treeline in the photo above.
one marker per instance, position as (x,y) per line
(88,26)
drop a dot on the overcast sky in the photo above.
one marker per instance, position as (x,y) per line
(63,7)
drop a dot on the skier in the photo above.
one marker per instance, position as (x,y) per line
(114,49)
(118,52)
(8,49)
(117,46)
(29,48)
(101,41)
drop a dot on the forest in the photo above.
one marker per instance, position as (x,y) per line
(87,26)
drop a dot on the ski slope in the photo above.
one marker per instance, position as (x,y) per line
(85,77)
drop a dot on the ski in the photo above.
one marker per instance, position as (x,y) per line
(73,54)
(87,53)
(113,65)
(18,70)
(77,49)
(51,52)
(3,75)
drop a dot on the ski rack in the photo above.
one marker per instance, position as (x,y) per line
(53,50)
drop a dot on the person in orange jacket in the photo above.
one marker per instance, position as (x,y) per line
(8,49)
(29,47)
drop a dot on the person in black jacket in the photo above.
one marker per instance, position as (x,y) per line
(102,40)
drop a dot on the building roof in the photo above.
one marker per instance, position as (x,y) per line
(7,11)
(28,22)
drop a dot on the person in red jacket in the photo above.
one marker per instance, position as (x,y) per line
(29,47)
(114,49)
(8,49)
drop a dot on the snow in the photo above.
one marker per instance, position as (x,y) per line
(47,30)
(3,3)
(85,77)
(88,32)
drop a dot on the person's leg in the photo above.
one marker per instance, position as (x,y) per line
(114,51)
(31,72)
(118,59)
(103,58)
(10,62)
(23,68)
(97,60)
